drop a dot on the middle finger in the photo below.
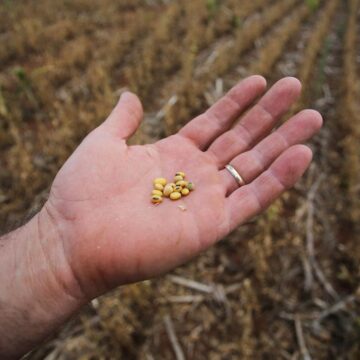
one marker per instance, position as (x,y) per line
(258,122)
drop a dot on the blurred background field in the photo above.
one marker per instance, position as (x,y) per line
(284,286)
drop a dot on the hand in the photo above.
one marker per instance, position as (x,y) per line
(100,200)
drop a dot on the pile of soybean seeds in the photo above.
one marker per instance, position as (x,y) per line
(174,190)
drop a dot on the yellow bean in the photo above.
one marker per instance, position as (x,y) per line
(178,178)
(161,181)
(185,191)
(172,184)
(156,199)
(158,186)
(168,189)
(182,183)
(157,192)
(178,188)
(180,173)
(175,195)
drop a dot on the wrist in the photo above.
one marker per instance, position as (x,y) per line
(37,289)
(58,278)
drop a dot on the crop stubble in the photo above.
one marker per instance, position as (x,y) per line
(267,261)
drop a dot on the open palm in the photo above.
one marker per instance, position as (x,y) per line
(100,200)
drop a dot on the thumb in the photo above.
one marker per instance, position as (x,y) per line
(126,116)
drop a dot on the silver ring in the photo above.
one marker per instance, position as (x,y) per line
(240,181)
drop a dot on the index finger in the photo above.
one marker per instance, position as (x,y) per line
(218,118)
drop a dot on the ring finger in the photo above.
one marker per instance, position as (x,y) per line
(252,163)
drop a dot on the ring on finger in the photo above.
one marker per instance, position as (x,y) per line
(239,180)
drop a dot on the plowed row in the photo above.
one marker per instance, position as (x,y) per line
(287,283)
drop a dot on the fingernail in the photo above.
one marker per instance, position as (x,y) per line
(125,95)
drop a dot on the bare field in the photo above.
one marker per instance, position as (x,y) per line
(284,286)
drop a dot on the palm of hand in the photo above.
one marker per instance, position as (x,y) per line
(111,231)
(104,191)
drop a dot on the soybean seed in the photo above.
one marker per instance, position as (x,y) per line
(168,189)
(175,195)
(161,181)
(157,192)
(182,183)
(185,191)
(180,173)
(190,186)
(156,199)
(178,178)
(158,186)
(178,188)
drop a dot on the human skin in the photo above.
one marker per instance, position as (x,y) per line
(98,228)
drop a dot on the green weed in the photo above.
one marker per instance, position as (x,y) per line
(25,84)
(212,5)
(313,4)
